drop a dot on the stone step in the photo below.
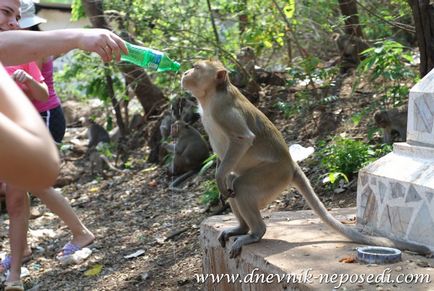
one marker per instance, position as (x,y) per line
(299,244)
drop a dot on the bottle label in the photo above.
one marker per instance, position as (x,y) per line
(155,59)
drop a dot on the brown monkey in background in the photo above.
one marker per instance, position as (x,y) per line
(96,134)
(349,47)
(392,120)
(99,163)
(245,77)
(255,162)
(190,150)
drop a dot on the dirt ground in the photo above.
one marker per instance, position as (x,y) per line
(135,211)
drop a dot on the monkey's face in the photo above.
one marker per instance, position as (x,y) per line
(202,78)
(246,55)
(381,118)
(176,128)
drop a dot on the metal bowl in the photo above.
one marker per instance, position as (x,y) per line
(378,255)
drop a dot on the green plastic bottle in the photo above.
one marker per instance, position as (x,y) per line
(148,58)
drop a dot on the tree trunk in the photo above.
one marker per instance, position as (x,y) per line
(149,95)
(423,14)
(243,19)
(352,24)
(94,11)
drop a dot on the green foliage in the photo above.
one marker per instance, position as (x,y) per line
(335,177)
(287,108)
(345,157)
(208,163)
(388,67)
(289,9)
(310,71)
(376,27)
(356,118)
(211,193)
(328,99)
(105,149)
(85,78)
(183,29)
(77,10)
(129,164)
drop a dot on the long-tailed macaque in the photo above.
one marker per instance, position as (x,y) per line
(390,121)
(349,47)
(245,77)
(99,163)
(189,152)
(255,162)
(182,108)
(96,134)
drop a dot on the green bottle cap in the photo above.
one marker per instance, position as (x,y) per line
(176,66)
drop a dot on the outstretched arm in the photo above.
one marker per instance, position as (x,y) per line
(28,156)
(56,42)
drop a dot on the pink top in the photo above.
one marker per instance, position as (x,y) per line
(31,68)
(53,100)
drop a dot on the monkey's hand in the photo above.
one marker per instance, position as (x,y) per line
(225,184)
(170,147)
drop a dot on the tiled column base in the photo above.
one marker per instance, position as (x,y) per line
(395,195)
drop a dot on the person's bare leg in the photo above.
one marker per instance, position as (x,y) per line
(81,236)
(17,202)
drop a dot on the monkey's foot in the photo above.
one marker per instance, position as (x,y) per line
(222,238)
(233,231)
(240,241)
(235,249)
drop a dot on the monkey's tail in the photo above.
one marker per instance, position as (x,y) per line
(302,184)
(110,165)
(181,179)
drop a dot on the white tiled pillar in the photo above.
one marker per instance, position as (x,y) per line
(395,194)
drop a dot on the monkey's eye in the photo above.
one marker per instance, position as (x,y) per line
(196,67)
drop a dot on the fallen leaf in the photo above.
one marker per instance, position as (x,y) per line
(348,221)
(152,183)
(93,271)
(348,260)
(135,254)
(149,169)
(351,220)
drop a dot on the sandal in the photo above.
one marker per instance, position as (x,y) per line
(13,286)
(70,253)
(71,248)
(6,262)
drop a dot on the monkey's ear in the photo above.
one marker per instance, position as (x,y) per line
(335,36)
(221,76)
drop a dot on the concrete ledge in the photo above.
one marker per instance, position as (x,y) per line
(297,244)
(415,150)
